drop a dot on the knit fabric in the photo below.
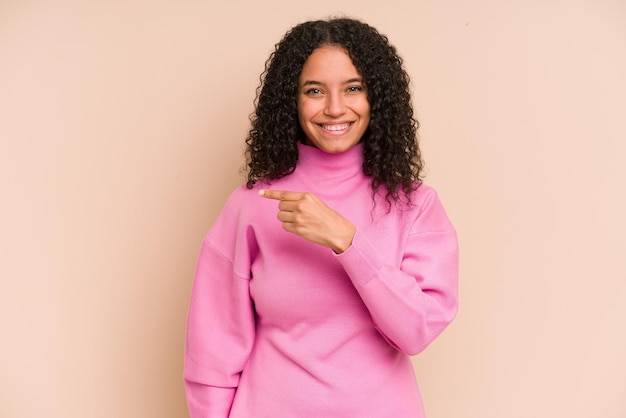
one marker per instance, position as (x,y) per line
(281,327)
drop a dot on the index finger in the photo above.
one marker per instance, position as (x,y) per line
(280,194)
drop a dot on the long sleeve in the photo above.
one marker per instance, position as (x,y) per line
(412,304)
(282,327)
(220,328)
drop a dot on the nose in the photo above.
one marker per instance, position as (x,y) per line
(335,105)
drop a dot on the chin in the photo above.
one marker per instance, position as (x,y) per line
(333,148)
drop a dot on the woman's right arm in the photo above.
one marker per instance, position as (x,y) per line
(220,330)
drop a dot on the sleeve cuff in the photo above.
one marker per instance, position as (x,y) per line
(361,260)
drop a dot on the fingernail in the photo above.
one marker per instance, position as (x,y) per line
(262,192)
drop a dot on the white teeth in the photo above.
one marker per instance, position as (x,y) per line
(336,127)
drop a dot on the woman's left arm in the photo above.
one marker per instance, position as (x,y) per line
(410,305)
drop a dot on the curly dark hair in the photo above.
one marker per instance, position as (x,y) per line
(392,156)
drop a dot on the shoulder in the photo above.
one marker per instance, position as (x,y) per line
(430,214)
(424,194)
(244,204)
(242,193)
(236,213)
(238,199)
(421,196)
(242,196)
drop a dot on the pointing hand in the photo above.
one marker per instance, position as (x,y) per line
(306,215)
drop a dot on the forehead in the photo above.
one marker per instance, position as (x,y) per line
(329,62)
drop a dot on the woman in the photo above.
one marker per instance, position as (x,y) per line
(334,263)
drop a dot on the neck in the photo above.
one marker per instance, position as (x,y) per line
(313,158)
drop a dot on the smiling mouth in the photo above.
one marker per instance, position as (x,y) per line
(336,127)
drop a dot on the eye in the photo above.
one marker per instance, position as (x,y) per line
(354,89)
(312,91)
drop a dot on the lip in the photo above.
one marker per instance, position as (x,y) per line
(335,128)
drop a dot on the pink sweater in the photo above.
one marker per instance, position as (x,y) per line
(280,327)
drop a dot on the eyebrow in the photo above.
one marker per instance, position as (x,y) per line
(318,83)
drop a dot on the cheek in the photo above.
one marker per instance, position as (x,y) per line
(366,107)
(362,107)
(364,112)
(301,107)
(306,110)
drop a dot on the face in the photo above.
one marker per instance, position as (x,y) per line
(332,102)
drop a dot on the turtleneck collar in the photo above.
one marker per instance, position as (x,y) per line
(317,163)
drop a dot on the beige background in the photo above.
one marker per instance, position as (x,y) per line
(121,131)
